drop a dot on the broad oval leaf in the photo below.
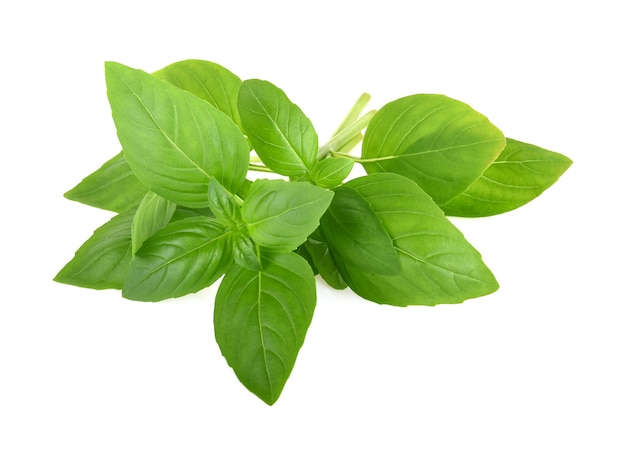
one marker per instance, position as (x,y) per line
(438,264)
(280,215)
(103,260)
(208,81)
(174,141)
(356,236)
(113,186)
(519,174)
(153,214)
(332,171)
(185,257)
(261,319)
(442,144)
(282,136)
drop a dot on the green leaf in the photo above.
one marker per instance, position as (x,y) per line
(280,215)
(261,319)
(153,214)
(438,264)
(356,236)
(174,141)
(316,252)
(331,172)
(185,212)
(185,257)
(102,261)
(442,144)
(245,253)
(280,133)
(223,205)
(113,186)
(521,173)
(208,81)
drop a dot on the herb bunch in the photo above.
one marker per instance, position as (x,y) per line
(188,214)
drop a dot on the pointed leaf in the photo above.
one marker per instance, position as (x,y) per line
(185,257)
(442,144)
(521,173)
(113,186)
(208,81)
(438,264)
(280,133)
(174,141)
(153,214)
(261,319)
(356,236)
(280,215)
(103,260)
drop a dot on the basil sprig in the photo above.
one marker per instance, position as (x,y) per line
(191,208)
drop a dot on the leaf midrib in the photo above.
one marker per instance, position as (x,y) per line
(276,127)
(162,131)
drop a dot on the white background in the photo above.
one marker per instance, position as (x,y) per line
(536,368)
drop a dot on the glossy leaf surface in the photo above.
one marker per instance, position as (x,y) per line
(208,81)
(519,174)
(245,253)
(442,144)
(356,236)
(261,319)
(438,264)
(102,261)
(153,214)
(280,133)
(280,215)
(174,141)
(182,258)
(331,172)
(113,186)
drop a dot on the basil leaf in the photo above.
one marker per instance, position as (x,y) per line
(518,175)
(185,212)
(261,319)
(185,257)
(280,133)
(316,252)
(356,236)
(280,215)
(442,144)
(438,264)
(174,141)
(223,205)
(208,81)
(244,252)
(112,187)
(102,261)
(153,214)
(331,172)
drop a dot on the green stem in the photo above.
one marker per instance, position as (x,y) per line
(345,136)
(362,160)
(254,167)
(348,146)
(354,112)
